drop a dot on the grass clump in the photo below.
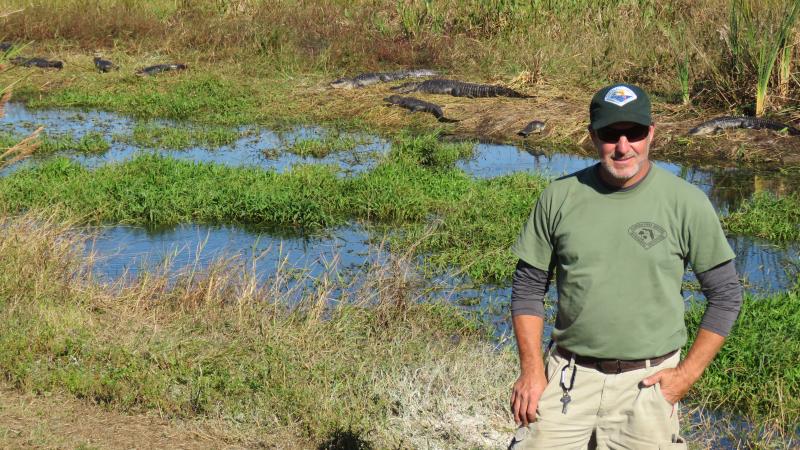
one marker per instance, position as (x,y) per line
(320,148)
(756,372)
(92,143)
(157,190)
(428,150)
(767,216)
(153,135)
(218,344)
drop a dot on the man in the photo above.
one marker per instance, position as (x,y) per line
(618,236)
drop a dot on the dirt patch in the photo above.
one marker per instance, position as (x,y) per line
(61,421)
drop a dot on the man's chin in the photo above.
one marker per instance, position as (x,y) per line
(620,175)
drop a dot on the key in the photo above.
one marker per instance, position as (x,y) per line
(565,399)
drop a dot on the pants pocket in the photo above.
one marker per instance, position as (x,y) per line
(661,396)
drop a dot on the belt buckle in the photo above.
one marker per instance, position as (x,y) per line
(610,366)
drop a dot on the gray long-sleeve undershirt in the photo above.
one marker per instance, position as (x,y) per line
(720,285)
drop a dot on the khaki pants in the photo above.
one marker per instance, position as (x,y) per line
(605,412)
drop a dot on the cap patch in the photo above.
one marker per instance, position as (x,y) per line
(620,95)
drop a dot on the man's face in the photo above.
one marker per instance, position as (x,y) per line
(623,149)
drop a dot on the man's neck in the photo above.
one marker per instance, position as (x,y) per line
(624,184)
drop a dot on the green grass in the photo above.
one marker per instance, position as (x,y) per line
(152,135)
(756,374)
(768,217)
(197,97)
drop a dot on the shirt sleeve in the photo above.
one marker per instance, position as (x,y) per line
(705,245)
(723,291)
(534,244)
(528,289)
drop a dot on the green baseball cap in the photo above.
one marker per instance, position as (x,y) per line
(619,103)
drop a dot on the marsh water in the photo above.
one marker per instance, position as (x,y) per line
(124,251)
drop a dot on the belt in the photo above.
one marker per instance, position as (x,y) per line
(611,366)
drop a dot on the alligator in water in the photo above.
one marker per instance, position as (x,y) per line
(159,68)
(414,105)
(38,62)
(721,123)
(536,126)
(104,65)
(457,89)
(366,79)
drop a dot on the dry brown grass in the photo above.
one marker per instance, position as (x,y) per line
(21,150)
(460,383)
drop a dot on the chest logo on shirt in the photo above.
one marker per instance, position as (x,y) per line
(647,234)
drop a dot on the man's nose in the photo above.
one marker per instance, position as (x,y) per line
(622,144)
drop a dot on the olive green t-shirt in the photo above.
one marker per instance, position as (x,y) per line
(619,258)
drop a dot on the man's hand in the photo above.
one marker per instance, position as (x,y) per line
(675,383)
(525,397)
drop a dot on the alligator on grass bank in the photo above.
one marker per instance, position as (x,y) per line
(457,89)
(536,126)
(416,105)
(721,123)
(104,65)
(37,62)
(366,79)
(159,68)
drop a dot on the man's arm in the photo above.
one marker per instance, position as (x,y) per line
(527,308)
(721,287)
(532,380)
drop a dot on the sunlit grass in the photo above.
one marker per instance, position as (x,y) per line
(766,216)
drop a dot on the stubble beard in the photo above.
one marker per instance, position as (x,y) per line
(621,174)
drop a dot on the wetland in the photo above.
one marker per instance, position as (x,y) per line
(238,242)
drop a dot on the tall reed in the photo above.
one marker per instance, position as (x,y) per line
(755,40)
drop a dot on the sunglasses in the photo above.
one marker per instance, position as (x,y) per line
(633,134)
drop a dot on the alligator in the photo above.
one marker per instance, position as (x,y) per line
(457,89)
(37,62)
(104,65)
(414,105)
(721,123)
(536,126)
(366,79)
(159,68)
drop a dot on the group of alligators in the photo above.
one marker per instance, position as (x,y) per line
(431,86)
(102,65)
(475,90)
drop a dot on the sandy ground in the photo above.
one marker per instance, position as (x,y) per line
(59,421)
